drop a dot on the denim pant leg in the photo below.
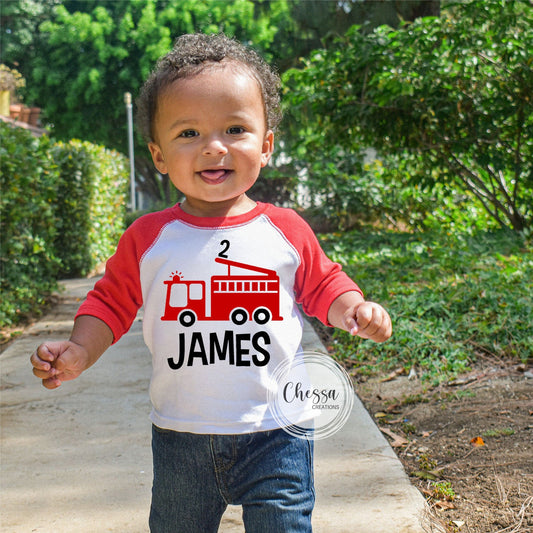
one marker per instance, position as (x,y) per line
(269,473)
(272,478)
(185,495)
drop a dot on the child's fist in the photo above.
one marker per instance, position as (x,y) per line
(55,362)
(369,320)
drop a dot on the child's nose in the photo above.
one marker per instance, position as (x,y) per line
(215,146)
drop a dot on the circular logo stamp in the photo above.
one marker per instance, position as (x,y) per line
(312,396)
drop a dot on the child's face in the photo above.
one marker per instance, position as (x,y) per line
(211,139)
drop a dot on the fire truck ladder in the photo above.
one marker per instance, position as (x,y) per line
(236,264)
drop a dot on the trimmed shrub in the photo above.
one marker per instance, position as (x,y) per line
(90,204)
(62,211)
(28,265)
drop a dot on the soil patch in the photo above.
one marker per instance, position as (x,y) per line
(467,444)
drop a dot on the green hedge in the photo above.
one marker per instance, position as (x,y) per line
(28,263)
(62,210)
(90,201)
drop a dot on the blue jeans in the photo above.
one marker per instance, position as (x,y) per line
(196,476)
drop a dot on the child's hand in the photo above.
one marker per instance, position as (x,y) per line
(368,320)
(55,362)
(365,319)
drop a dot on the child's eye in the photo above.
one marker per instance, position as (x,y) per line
(236,130)
(188,134)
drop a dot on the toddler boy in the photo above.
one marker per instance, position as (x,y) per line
(220,276)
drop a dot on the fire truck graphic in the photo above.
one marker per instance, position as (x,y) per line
(235,297)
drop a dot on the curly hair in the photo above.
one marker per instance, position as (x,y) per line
(193,53)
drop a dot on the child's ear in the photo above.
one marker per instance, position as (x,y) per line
(157,158)
(268,148)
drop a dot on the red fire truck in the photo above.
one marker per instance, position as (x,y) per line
(235,297)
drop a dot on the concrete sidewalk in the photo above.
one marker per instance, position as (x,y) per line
(78,459)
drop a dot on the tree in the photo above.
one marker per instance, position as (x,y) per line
(314,23)
(91,52)
(452,94)
(80,56)
(19,28)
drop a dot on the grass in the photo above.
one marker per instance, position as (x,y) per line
(443,490)
(452,298)
(500,432)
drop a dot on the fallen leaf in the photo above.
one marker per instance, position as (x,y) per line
(381,414)
(422,474)
(477,441)
(393,375)
(398,441)
(442,504)
(426,434)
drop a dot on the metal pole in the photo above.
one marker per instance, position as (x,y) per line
(129,112)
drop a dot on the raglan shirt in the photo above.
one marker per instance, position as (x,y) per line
(213,376)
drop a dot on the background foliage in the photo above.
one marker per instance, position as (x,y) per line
(28,264)
(452,297)
(447,99)
(81,56)
(89,204)
(61,212)
(99,50)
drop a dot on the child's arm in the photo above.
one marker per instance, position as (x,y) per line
(55,362)
(368,320)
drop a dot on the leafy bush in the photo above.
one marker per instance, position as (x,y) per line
(90,204)
(62,211)
(28,180)
(452,297)
(449,93)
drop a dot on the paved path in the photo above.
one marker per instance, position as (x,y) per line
(78,459)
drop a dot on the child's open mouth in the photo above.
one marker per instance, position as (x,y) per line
(214,176)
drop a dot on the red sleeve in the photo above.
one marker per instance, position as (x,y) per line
(319,281)
(117,297)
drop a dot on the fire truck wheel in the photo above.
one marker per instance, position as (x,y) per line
(262,315)
(187,318)
(239,316)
